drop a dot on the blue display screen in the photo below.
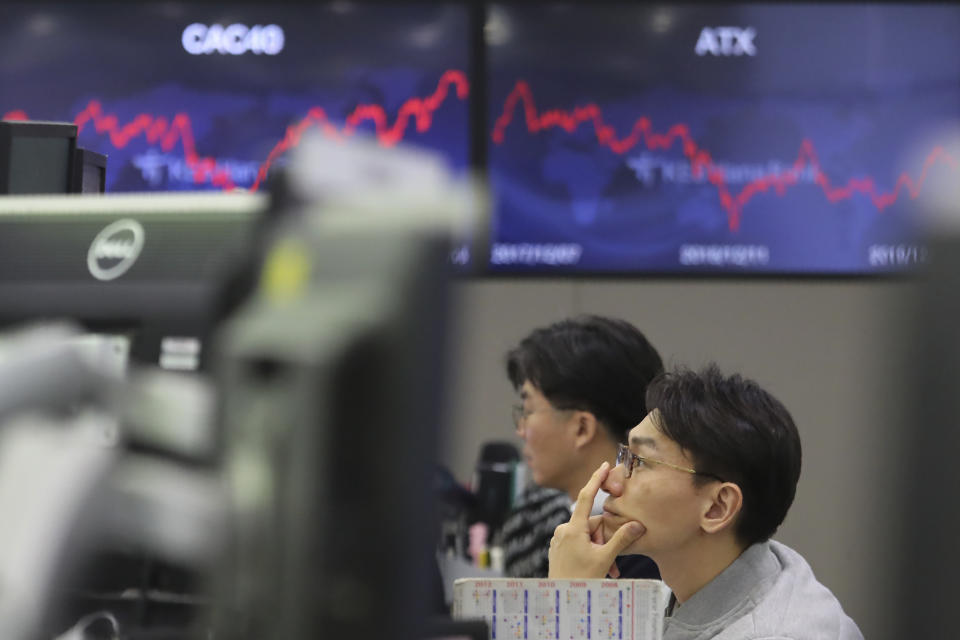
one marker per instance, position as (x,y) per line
(186,96)
(734,139)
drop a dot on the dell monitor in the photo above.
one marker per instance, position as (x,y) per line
(151,267)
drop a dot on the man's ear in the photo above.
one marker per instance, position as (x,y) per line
(587,428)
(725,504)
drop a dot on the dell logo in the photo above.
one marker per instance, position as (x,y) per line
(726,41)
(234,40)
(115,249)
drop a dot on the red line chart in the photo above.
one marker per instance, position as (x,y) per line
(700,159)
(157,129)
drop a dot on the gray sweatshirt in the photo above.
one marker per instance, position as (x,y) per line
(768,593)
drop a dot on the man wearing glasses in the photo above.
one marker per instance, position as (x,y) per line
(581,383)
(706,479)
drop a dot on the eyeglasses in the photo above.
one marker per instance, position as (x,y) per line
(624,455)
(520,414)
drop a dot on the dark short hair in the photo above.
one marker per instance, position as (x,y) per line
(734,430)
(591,363)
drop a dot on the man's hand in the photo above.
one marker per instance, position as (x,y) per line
(578,549)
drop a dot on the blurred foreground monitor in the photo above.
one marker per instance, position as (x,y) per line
(928,363)
(332,379)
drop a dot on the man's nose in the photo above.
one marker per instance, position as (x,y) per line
(613,484)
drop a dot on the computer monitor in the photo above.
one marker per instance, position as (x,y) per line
(36,157)
(151,267)
(331,383)
(186,96)
(737,139)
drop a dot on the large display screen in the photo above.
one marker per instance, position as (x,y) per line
(733,138)
(186,96)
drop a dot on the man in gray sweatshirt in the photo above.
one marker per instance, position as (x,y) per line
(704,482)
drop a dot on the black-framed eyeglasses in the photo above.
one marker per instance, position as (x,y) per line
(631,461)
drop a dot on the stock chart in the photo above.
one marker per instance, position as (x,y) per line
(738,138)
(187,96)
